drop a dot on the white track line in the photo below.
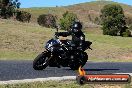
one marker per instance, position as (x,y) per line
(63,78)
(39,79)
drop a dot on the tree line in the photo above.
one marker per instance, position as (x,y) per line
(112,19)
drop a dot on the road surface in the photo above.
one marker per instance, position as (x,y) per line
(19,70)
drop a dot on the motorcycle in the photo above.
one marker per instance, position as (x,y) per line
(62,53)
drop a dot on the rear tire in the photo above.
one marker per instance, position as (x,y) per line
(81,80)
(79,61)
(41,61)
(74,66)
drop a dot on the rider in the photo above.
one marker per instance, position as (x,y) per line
(78,37)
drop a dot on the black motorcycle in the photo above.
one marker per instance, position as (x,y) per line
(62,53)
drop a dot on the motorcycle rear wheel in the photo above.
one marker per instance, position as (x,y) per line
(41,61)
(81,62)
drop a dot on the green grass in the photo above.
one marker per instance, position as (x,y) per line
(110,48)
(11,55)
(22,41)
(64,84)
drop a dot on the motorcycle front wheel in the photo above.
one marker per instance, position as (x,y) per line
(41,61)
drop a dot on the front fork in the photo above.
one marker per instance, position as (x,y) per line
(54,59)
(48,60)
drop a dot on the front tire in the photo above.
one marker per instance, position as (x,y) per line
(41,61)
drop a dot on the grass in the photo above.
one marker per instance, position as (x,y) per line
(108,47)
(22,41)
(64,84)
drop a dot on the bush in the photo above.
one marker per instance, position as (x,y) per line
(127,33)
(67,20)
(23,16)
(47,20)
(130,28)
(97,21)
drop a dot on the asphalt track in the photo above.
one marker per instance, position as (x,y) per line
(19,70)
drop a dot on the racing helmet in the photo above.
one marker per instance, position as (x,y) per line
(76,27)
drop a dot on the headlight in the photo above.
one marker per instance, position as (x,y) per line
(59,41)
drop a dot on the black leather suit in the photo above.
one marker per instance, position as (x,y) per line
(78,38)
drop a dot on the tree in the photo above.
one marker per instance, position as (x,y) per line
(67,20)
(113,20)
(7,8)
(47,20)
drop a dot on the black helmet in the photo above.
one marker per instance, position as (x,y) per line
(77,26)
